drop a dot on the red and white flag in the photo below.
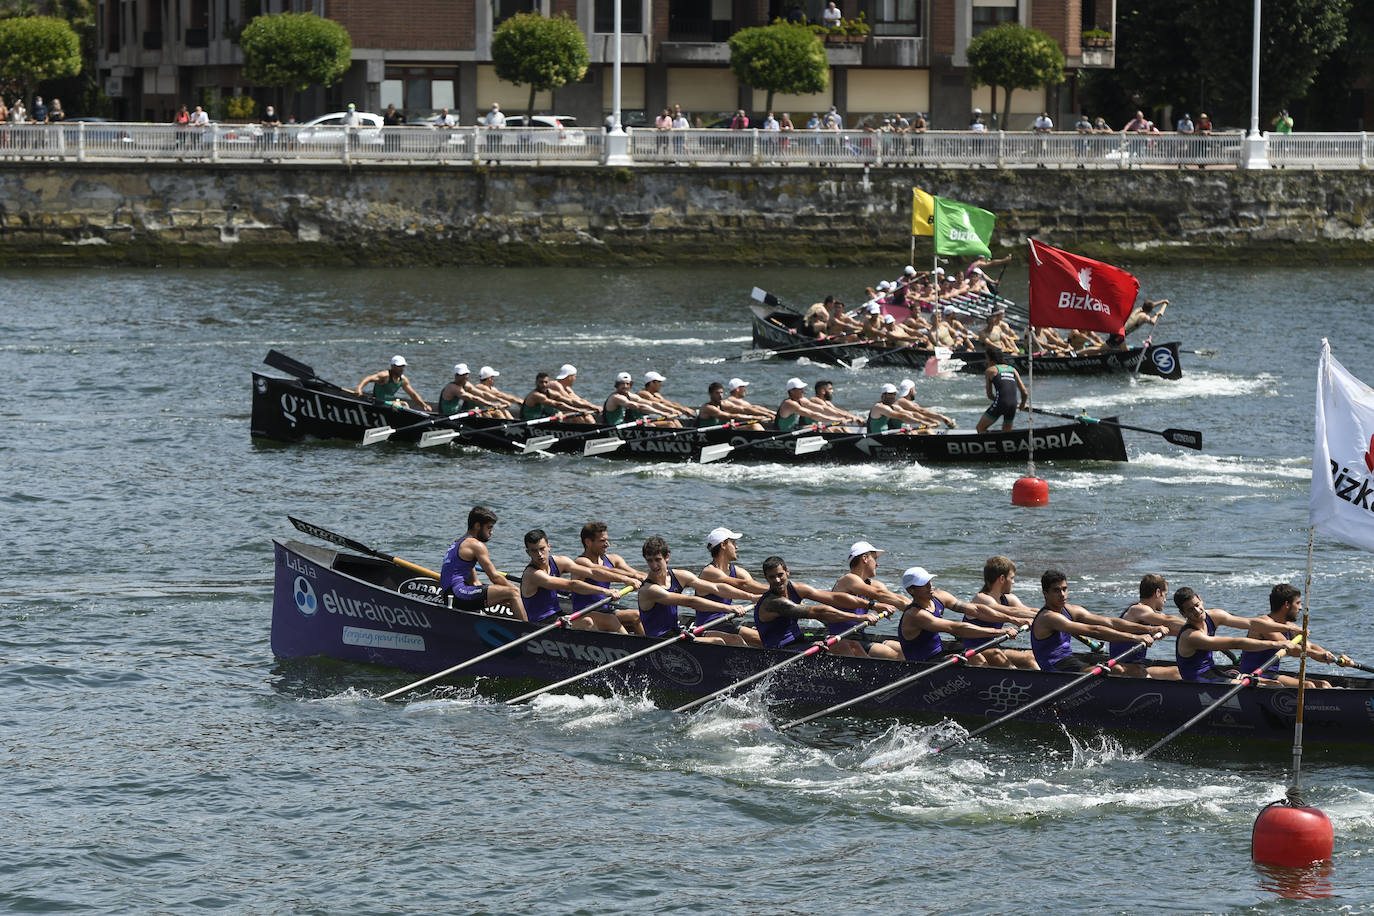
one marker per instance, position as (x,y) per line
(1341,503)
(1070,291)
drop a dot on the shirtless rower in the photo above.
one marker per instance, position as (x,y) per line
(608,567)
(1149,610)
(458,575)
(1143,315)
(486,381)
(386,383)
(459,395)
(735,391)
(1058,622)
(861,581)
(721,542)
(923,621)
(623,404)
(888,414)
(1285,604)
(561,387)
(840,325)
(651,392)
(661,595)
(715,411)
(777,613)
(906,399)
(1005,389)
(1197,639)
(543,402)
(997,333)
(871,328)
(817,317)
(546,575)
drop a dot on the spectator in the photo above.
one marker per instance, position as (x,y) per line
(814,122)
(1204,124)
(1283,124)
(1083,125)
(976,123)
(1101,126)
(832,120)
(1138,124)
(494,117)
(831,16)
(55,114)
(392,118)
(1043,124)
(1185,124)
(740,121)
(39,115)
(444,119)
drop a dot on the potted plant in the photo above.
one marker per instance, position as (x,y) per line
(857,29)
(1097,38)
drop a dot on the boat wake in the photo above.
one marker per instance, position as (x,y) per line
(1211,470)
(589,712)
(1192,385)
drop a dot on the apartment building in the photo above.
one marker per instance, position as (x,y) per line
(424,55)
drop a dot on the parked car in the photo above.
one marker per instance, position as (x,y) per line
(562,129)
(328,129)
(99,130)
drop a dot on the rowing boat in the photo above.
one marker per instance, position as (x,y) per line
(781,332)
(354,608)
(288,409)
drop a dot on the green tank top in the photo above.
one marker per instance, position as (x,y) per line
(386,391)
(448,408)
(539,411)
(787,424)
(613,417)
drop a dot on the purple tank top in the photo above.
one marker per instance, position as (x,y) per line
(661,619)
(581,601)
(543,604)
(704,617)
(927,643)
(456,571)
(776,634)
(1193,668)
(1054,649)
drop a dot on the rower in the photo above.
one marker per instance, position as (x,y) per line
(546,575)
(1285,603)
(715,411)
(1143,315)
(561,387)
(817,317)
(1058,622)
(840,325)
(997,333)
(777,612)
(997,604)
(653,384)
(721,542)
(861,581)
(459,396)
(888,414)
(1149,610)
(1005,389)
(736,389)
(923,621)
(458,575)
(623,404)
(1197,639)
(661,595)
(388,382)
(906,400)
(872,326)
(798,406)
(486,381)
(542,401)
(608,567)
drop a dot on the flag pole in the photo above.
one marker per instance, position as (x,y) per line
(1295,790)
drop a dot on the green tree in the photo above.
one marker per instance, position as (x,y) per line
(295,51)
(37,48)
(1012,57)
(542,53)
(779,58)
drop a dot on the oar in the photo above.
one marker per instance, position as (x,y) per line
(300,370)
(1346,662)
(711,453)
(1073,683)
(750,356)
(560,622)
(440,436)
(539,443)
(728,424)
(1245,681)
(326,535)
(790,660)
(903,682)
(382,433)
(816,443)
(1145,348)
(693,633)
(1188,438)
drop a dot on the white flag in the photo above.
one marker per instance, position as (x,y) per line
(1342,499)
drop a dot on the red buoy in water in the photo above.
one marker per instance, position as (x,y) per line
(1291,836)
(1030,491)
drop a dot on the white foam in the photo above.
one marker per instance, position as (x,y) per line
(590,711)
(1192,385)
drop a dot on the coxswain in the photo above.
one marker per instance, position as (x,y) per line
(623,404)
(1197,639)
(722,544)
(906,400)
(653,385)
(1285,604)
(777,613)
(542,401)
(1058,622)
(661,596)
(458,575)
(486,381)
(1005,389)
(608,567)
(458,395)
(918,633)
(735,390)
(861,581)
(715,411)
(561,387)
(1149,610)
(546,575)
(387,383)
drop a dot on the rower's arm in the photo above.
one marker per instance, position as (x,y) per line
(370,380)
(415,395)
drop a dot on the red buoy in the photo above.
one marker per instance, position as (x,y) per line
(1030,491)
(1291,836)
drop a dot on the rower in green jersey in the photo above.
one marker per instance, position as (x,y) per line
(542,402)
(798,407)
(458,396)
(889,413)
(387,383)
(715,411)
(623,404)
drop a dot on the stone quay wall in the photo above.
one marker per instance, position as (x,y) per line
(259,214)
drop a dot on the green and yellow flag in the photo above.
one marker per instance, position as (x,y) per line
(922,213)
(961,228)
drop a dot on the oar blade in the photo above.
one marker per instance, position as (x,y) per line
(602,446)
(758,295)
(1188,438)
(753,356)
(377,434)
(438,437)
(536,444)
(857,362)
(810,444)
(278,360)
(715,452)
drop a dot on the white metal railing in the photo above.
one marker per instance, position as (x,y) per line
(96,140)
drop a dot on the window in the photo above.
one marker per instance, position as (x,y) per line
(631,16)
(504,9)
(897,17)
(988,14)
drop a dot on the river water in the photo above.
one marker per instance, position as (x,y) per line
(159,759)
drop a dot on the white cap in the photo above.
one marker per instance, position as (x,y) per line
(939,271)
(720,535)
(909,270)
(460,369)
(908,386)
(874,308)
(916,576)
(888,388)
(398,360)
(652,376)
(977,270)
(624,377)
(859,548)
(795,383)
(884,285)
(888,319)
(487,372)
(566,370)
(737,383)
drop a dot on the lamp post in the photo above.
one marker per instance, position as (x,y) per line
(1256,149)
(617,141)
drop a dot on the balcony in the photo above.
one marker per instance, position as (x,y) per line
(889,51)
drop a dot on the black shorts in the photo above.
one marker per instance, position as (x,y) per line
(1074,664)
(1006,411)
(470,601)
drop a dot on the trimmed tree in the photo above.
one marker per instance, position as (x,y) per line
(1012,57)
(295,51)
(542,53)
(784,57)
(37,48)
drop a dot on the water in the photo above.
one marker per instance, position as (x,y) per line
(160,760)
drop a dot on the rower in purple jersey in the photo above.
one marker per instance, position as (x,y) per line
(862,581)
(777,613)
(609,567)
(997,604)
(1285,604)
(546,575)
(1058,622)
(458,576)
(1149,610)
(723,568)
(661,595)
(1198,639)
(924,619)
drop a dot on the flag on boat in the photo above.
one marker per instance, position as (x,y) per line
(1071,291)
(922,213)
(961,228)
(1342,499)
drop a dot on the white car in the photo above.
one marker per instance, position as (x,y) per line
(559,129)
(329,129)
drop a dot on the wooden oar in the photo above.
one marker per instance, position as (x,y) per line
(560,622)
(790,660)
(1145,348)
(903,682)
(382,433)
(539,443)
(1188,438)
(325,534)
(1076,681)
(693,633)
(1346,662)
(711,453)
(1245,681)
(440,436)
(750,356)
